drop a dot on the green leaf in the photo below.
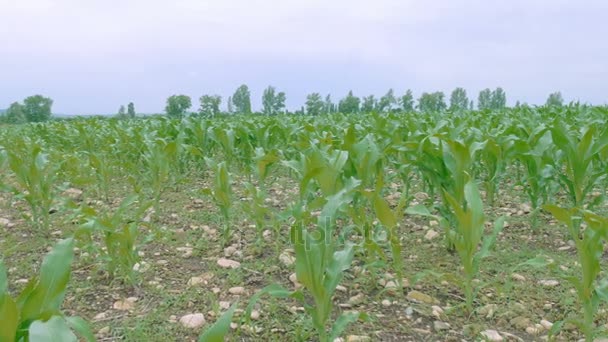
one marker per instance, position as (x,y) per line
(9,316)
(419,209)
(217,332)
(384,212)
(48,294)
(342,322)
(81,327)
(53,330)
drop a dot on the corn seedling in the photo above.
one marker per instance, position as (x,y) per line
(590,247)
(36,176)
(469,233)
(222,195)
(120,232)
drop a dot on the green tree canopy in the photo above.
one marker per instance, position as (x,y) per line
(459,99)
(273,102)
(37,108)
(314,104)
(387,102)
(210,105)
(407,101)
(555,100)
(131,110)
(178,105)
(349,104)
(369,104)
(432,102)
(15,114)
(242,100)
(329,106)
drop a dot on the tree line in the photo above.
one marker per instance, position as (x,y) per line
(37,108)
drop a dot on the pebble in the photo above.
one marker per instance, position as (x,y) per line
(548,283)
(417,296)
(518,277)
(439,326)
(492,335)
(356,299)
(237,290)
(386,303)
(546,324)
(194,281)
(103,331)
(227,263)
(431,234)
(192,320)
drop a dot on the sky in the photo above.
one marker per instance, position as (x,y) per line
(92,56)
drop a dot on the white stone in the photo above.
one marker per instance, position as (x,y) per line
(237,290)
(227,263)
(431,234)
(492,335)
(195,320)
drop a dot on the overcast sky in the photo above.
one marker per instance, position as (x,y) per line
(92,56)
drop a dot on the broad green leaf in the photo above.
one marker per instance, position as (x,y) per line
(9,316)
(218,331)
(384,212)
(53,330)
(342,322)
(47,296)
(81,327)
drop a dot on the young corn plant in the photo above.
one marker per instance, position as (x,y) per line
(589,244)
(581,160)
(222,195)
(120,232)
(36,177)
(257,210)
(469,234)
(35,315)
(320,266)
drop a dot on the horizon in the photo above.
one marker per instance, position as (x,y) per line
(146,51)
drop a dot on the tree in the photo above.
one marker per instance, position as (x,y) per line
(349,104)
(242,100)
(555,100)
(121,112)
(37,108)
(15,114)
(387,102)
(131,110)
(229,107)
(407,101)
(484,101)
(272,102)
(369,104)
(210,105)
(432,102)
(329,106)
(314,104)
(459,99)
(177,105)
(499,99)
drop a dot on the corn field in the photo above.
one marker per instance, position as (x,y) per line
(476,225)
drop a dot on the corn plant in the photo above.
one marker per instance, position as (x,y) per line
(35,315)
(157,158)
(222,195)
(120,231)
(469,233)
(589,244)
(581,159)
(36,177)
(256,209)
